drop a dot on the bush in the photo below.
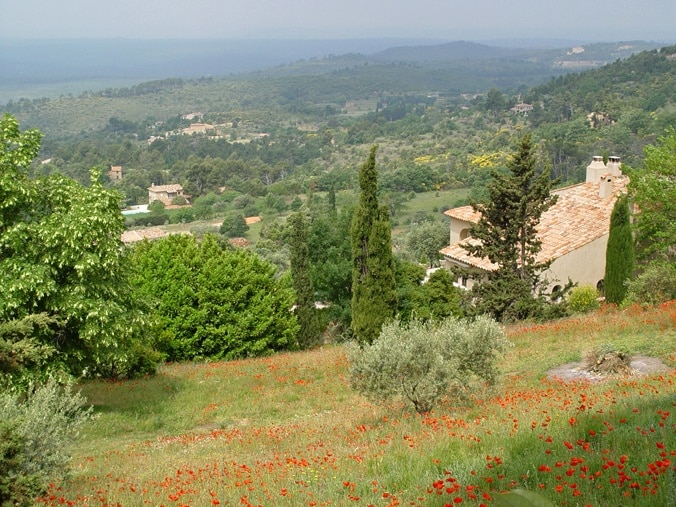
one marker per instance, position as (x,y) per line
(213,302)
(16,486)
(655,285)
(422,362)
(583,299)
(37,429)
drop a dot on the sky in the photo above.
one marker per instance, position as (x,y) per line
(475,20)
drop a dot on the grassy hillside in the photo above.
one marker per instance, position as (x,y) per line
(287,430)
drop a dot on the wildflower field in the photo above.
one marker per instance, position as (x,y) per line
(286,430)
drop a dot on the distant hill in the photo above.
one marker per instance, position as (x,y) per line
(27,63)
(51,68)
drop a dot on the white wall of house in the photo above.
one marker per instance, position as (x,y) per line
(585,266)
(459,230)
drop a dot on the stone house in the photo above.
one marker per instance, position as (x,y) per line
(115,173)
(165,193)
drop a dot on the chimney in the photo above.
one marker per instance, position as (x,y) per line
(596,169)
(606,186)
(614,166)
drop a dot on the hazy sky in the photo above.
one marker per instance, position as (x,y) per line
(608,20)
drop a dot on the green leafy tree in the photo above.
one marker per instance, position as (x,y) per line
(373,282)
(234,225)
(330,262)
(61,255)
(214,302)
(508,238)
(425,239)
(308,319)
(653,189)
(619,253)
(156,206)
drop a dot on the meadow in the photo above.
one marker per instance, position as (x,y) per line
(286,430)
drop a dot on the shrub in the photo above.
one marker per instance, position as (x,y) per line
(16,486)
(37,429)
(583,299)
(655,285)
(422,362)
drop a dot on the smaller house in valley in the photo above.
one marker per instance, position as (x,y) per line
(573,232)
(522,108)
(115,173)
(165,193)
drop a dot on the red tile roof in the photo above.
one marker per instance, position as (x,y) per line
(579,217)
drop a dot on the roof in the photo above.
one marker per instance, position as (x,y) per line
(579,216)
(141,234)
(166,188)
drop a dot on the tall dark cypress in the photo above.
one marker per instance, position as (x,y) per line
(373,283)
(308,319)
(619,252)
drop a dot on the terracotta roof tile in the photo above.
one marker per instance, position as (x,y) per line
(579,217)
(166,188)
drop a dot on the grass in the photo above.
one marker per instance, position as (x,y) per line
(286,430)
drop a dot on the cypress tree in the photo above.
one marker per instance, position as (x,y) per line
(619,252)
(373,283)
(308,319)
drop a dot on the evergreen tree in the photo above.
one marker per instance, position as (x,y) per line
(332,199)
(308,320)
(619,252)
(507,236)
(373,283)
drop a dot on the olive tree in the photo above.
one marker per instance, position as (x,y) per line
(423,361)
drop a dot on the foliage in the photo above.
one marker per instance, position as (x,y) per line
(619,253)
(61,255)
(25,352)
(507,236)
(234,225)
(583,299)
(425,239)
(214,302)
(655,285)
(38,429)
(308,319)
(17,488)
(654,192)
(156,206)
(373,282)
(439,298)
(422,362)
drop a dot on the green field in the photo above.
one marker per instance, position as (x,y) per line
(287,430)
